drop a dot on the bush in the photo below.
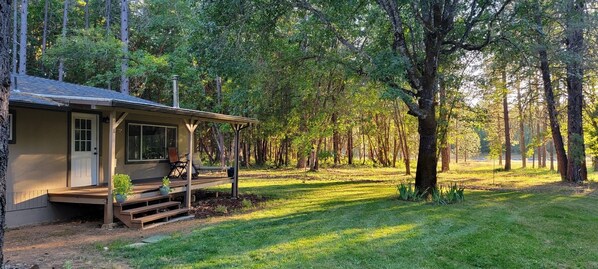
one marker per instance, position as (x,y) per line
(246,203)
(448,195)
(407,192)
(221,209)
(122,185)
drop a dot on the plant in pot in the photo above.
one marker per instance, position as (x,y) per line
(165,188)
(122,187)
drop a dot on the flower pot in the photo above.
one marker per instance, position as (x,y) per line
(164,190)
(120,198)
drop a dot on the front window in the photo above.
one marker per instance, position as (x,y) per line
(149,142)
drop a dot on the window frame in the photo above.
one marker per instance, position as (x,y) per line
(12,126)
(142,124)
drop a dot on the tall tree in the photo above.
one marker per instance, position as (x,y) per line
(5,6)
(23,38)
(555,128)
(574,27)
(65,14)
(505,106)
(124,38)
(522,147)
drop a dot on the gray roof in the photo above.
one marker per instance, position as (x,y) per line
(31,90)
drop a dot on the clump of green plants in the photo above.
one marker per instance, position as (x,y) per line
(222,209)
(408,192)
(246,203)
(448,195)
(123,187)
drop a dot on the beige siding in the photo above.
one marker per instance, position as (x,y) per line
(37,162)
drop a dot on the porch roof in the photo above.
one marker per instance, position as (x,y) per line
(31,90)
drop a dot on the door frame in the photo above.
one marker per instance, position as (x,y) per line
(69,120)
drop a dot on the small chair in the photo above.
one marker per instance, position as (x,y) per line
(175,163)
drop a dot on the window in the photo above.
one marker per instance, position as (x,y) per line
(148,142)
(11,127)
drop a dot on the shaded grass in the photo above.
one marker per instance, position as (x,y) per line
(350,218)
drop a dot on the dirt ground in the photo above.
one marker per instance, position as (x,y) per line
(81,243)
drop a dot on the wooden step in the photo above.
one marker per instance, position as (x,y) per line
(142,200)
(148,208)
(161,215)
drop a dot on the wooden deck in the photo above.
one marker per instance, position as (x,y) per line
(148,188)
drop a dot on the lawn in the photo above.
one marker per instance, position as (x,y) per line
(350,218)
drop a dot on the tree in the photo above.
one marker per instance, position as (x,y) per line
(574,27)
(23,38)
(124,38)
(5,6)
(555,129)
(65,16)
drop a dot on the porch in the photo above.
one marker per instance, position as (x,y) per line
(98,195)
(146,206)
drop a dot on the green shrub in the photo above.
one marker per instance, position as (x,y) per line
(448,195)
(246,203)
(122,185)
(407,192)
(221,209)
(165,182)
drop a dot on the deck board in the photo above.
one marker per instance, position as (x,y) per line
(99,194)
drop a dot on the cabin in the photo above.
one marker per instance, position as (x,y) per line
(67,141)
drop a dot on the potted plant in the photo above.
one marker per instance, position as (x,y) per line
(122,187)
(165,188)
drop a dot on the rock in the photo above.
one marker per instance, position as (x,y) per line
(155,238)
(136,245)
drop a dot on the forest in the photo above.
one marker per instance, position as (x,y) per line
(376,120)
(387,84)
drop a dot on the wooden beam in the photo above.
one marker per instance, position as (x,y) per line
(109,207)
(235,186)
(191,126)
(120,119)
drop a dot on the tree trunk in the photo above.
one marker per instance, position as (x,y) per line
(4,96)
(505,107)
(335,139)
(555,128)
(551,147)
(595,163)
(23,38)
(457,141)
(522,147)
(86,14)
(15,18)
(108,15)
(45,29)
(124,38)
(65,14)
(445,151)
(576,168)
(350,146)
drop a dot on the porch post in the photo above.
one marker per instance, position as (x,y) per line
(109,208)
(191,126)
(235,185)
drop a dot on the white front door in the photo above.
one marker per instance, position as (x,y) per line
(84,149)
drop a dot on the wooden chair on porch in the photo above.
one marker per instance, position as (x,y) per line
(176,164)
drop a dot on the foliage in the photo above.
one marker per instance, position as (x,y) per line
(443,195)
(407,192)
(122,185)
(222,209)
(246,203)
(166,181)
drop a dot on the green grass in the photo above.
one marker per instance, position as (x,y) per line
(350,218)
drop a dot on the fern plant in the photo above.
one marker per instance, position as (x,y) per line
(407,192)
